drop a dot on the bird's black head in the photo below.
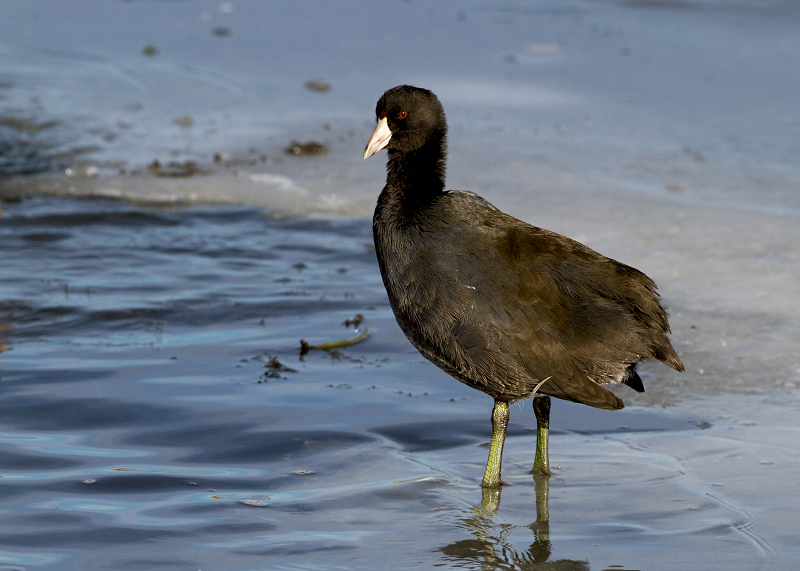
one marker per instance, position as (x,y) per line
(408,118)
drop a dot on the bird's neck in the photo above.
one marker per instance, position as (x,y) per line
(416,177)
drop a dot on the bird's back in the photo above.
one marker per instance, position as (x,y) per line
(502,305)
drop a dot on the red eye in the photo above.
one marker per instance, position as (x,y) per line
(402,115)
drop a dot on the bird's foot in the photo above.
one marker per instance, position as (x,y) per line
(543,471)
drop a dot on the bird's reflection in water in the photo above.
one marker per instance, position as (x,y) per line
(491,548)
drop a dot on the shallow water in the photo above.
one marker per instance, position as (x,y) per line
(144,426)
(145,423)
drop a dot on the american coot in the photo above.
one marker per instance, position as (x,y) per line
(509,309)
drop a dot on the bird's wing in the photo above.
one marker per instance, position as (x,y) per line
(514,324)
(531,337)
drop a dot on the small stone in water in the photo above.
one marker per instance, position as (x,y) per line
(303,473)
(254,503)
(184,120)
(310,148)
(318,85)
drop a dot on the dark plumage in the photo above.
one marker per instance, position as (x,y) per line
(497,303)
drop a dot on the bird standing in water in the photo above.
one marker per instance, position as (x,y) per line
(509,309)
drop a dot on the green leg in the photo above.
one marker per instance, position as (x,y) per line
(541,407)
(491,478)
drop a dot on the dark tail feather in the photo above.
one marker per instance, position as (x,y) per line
(634,381)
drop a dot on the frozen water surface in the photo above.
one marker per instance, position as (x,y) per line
(145,424)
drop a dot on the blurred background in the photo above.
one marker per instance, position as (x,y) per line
(184,199)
